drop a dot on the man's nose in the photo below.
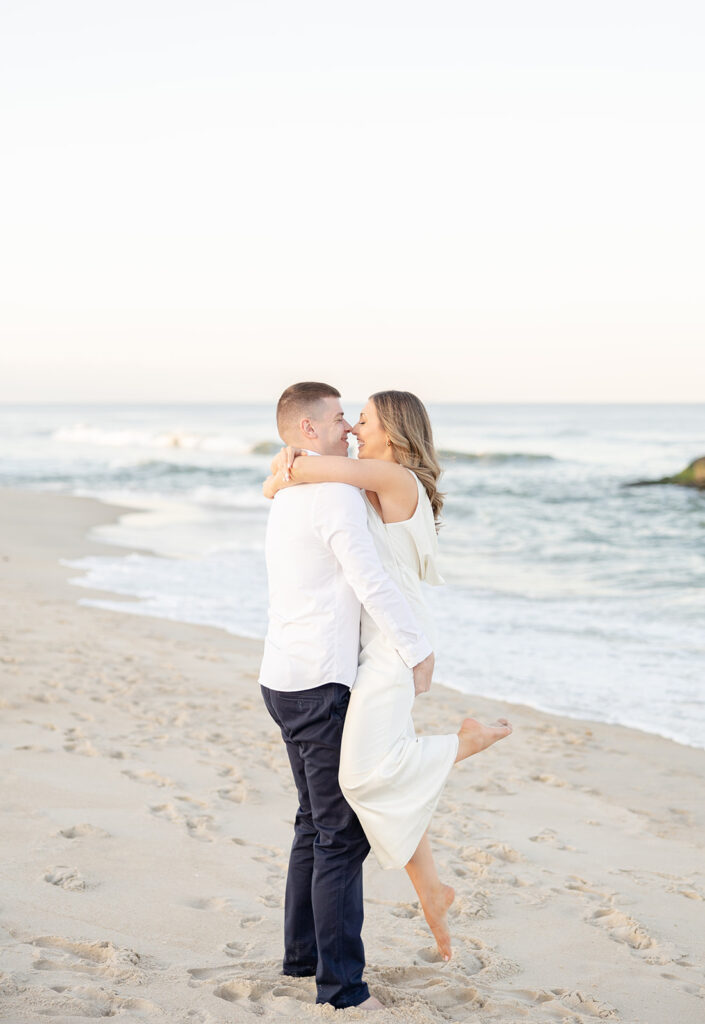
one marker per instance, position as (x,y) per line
(346,427)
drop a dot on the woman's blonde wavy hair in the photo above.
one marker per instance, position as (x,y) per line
(404,418)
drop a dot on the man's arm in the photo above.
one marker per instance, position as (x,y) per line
(341,520)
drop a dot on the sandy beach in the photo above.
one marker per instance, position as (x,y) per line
(147,812)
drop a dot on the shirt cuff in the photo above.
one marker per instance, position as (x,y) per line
(415,653)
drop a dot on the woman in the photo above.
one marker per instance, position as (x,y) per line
(391,777)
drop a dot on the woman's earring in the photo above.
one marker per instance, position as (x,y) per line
(388,443)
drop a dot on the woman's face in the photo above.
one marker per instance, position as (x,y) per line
(371,438)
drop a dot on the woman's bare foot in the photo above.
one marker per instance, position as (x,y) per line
(473,736)
(435,907)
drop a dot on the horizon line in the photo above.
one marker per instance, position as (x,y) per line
(265,401)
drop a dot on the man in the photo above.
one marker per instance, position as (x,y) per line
(321,566)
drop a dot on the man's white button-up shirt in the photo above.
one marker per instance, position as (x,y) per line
(322,564)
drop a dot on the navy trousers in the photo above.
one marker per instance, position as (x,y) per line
(323,910)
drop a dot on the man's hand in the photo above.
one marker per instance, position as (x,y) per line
(423,674)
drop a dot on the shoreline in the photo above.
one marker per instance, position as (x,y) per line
(147,804)
(115,511)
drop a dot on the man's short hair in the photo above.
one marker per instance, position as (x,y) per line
(299,401)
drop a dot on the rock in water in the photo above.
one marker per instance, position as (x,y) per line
(692,476)
(266,448)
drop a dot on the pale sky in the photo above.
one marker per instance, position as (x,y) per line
(480,201)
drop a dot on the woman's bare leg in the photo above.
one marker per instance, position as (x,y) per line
(435,897)
(473,736)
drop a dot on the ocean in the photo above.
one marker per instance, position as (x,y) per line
(565,590)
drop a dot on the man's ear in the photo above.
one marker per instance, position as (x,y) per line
(308,429)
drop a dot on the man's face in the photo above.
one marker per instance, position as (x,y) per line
(331,427)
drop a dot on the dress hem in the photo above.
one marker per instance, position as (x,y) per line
(386,863)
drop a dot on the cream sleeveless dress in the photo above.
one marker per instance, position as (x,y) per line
(391,777)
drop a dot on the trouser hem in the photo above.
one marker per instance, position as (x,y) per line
(360,997)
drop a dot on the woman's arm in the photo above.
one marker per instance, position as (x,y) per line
(270,486)
(367,474)
(394,485)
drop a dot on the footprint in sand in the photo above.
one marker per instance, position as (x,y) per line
(442,985)
(83,747)
(236,794)
(671,883)
(82,1001)
(622,928)
(493,966)
(65,878)
(237,949)
(585,1003)
(83,716)
(250,921)
(200,827)
(271,901)
(218,903)
(289,991)
(270,855)
(548,835)
(184,798)
(84,829)
(197,826)
(207,973)
(690,893)
(481,863)
(473,855)
(577,884)
(549,780)
(694,990)
(148,777)
(494,788)
(257,991)
(75,742)
(276,865)
(502,851)
(406,910)
(232,991)
(102,958)
(558,1001)
(418,976)
(167,811)
(452,996)
(471,904)
(619,926)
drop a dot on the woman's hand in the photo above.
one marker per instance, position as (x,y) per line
(284,461)
(282,471)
